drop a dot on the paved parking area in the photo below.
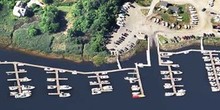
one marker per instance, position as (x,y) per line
(133,30)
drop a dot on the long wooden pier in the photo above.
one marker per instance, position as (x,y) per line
(172,79)
(139,81)
(17,78)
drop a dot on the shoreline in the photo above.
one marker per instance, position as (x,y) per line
(110,59)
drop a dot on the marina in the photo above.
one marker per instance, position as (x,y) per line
(155,93)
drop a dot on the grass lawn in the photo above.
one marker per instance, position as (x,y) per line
(167,17)
(185,13)
(173,19)
(163,39)
(144,2)
(23,40)
(212,41)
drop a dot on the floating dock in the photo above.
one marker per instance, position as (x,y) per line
(169,76)
(22,90)
(58,87)
(101,84)
(212,64)
(135,81)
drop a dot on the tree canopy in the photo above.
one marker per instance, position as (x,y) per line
(94,18)
(49,20)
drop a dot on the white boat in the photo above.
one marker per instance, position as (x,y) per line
(51,79)
(105,82)
(74,72)
(12,88)
(24,94)
(177,79)
(104,77)
(20,64)
(22,71)
(211,78)
(65,87)
(51,87)
(217,68)
(166,76)
(48,69)
(141,65)
(25,79)
(135,88)
(213,84)
(131,79)
(104,73)
(62,94)
(167,62)
(167,86)
(209,68)
(175,65)
(27,87)
(181,92)
(206,57)
(169,93)
(107,88)
(135,93)
(208,64)
(164,72)
(96,91)
(216,59)
(132,73)
(93,83)
(177,72)
(13,93)
(62,71)
(210,74)
(215,89)
(217,63)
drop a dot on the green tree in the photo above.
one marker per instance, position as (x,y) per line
(94,18)
(49,20)
(32,31)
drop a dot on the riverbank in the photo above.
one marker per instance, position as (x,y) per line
(183,44)
(141,46)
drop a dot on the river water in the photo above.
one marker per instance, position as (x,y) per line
(195,80)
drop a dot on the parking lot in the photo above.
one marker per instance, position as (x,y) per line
(130,31)
(137,26)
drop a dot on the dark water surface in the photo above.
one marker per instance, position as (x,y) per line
(198,96)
